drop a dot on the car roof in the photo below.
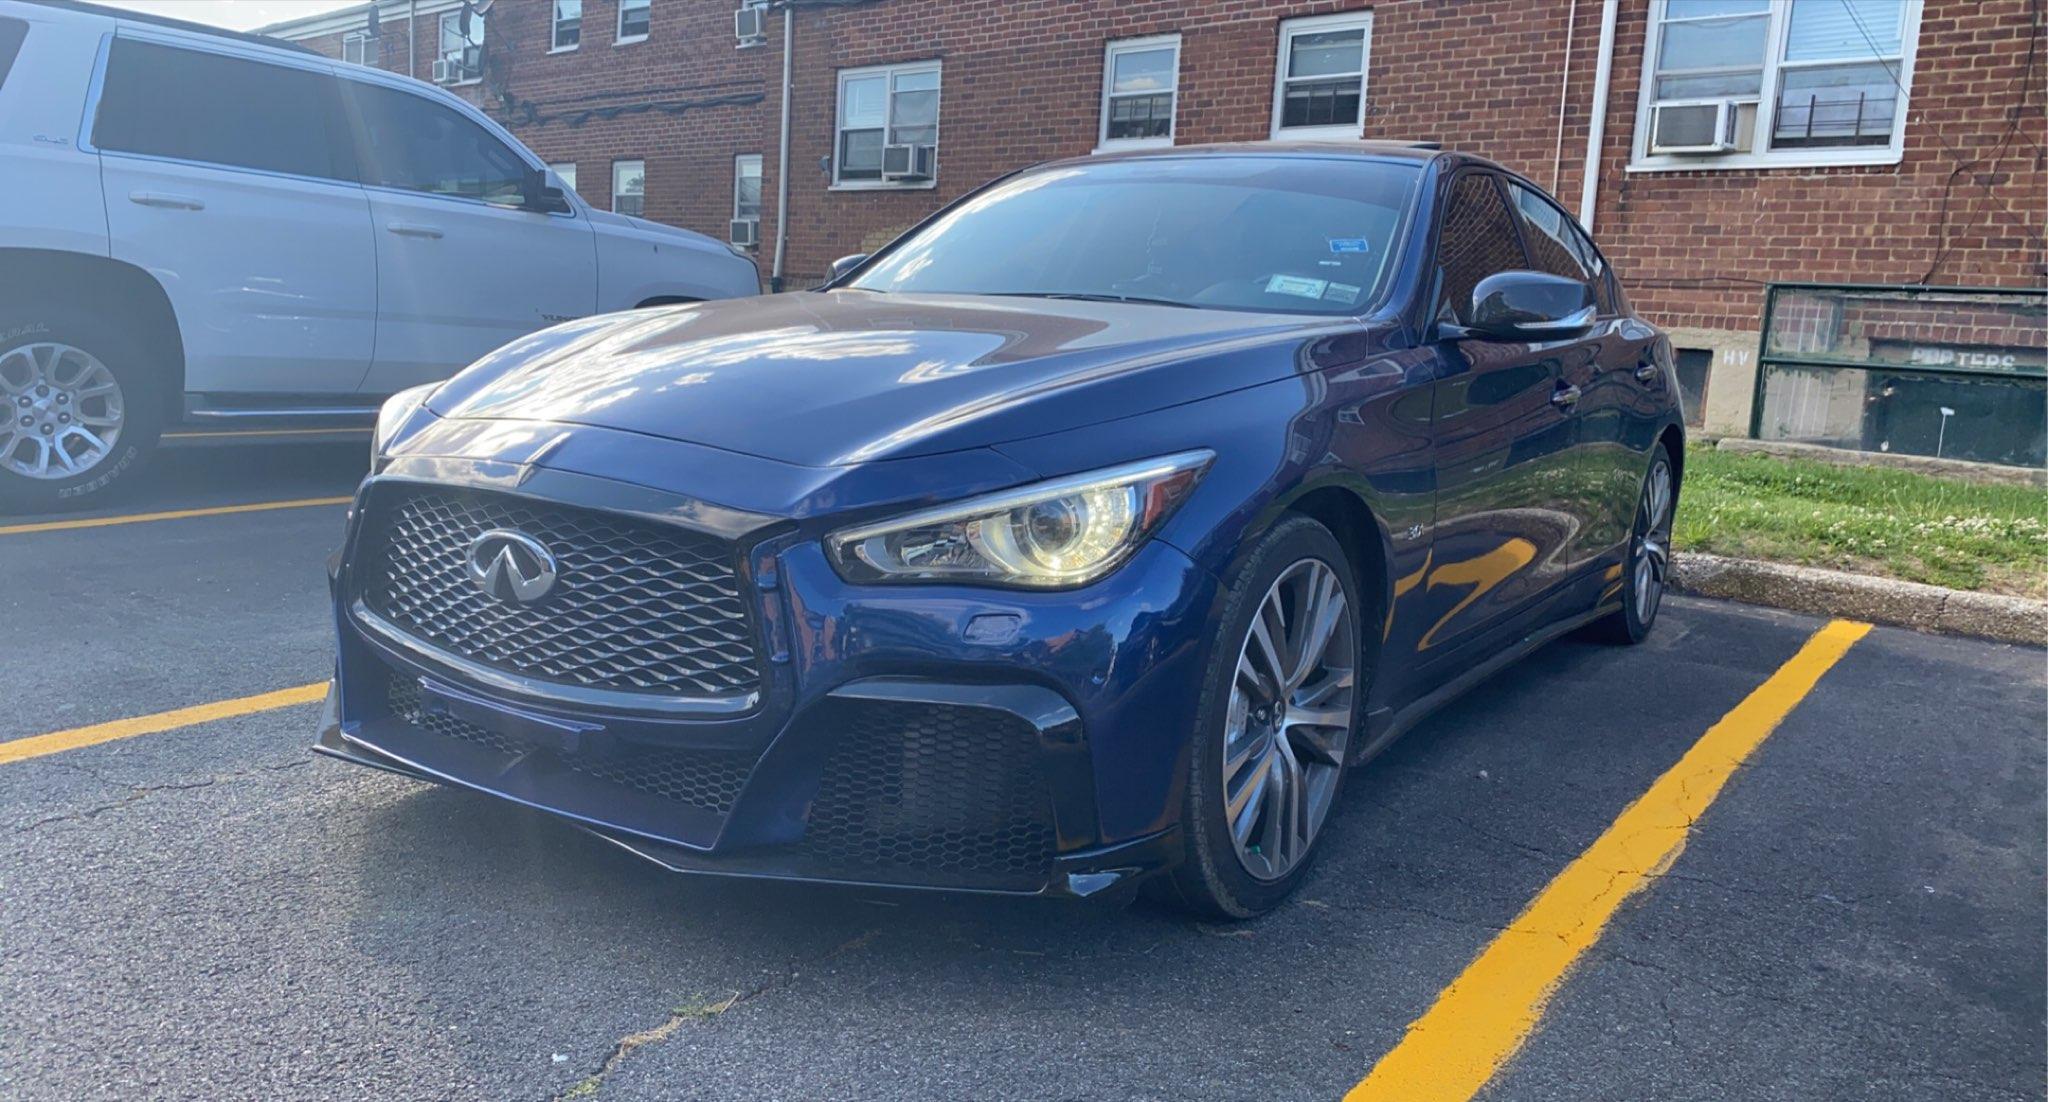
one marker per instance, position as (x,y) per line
(1418,152)
(147,18)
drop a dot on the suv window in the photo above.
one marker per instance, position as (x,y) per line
(1476,240)
(162,101)
(12,31)
(1557,245)
(411,142)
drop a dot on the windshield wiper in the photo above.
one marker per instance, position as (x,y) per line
(1083,296)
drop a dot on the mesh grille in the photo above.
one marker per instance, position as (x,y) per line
(939,794)
(708,779)
(637,607)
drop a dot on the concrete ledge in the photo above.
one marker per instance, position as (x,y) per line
(1962,470)
(1858,597)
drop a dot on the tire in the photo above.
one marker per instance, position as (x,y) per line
(1646,570)
(1217,877)
(55,366)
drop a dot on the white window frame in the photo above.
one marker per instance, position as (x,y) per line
(620,37)
(1642,160)
(1289,28)
(364,42)
(451,23)
(1103,142)
(616,166)
(888,73)
(738,160)
(566,172)
(555,28)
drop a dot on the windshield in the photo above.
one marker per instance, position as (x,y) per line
(1282,234)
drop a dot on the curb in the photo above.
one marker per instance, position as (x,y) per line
(1878,600)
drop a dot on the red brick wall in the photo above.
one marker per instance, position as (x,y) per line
(1022,82)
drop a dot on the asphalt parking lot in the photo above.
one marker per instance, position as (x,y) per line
(207,911)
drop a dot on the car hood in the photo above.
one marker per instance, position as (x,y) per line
(828,379)
(626,225)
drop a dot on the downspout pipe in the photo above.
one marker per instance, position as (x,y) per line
(782,146)
(1596,129)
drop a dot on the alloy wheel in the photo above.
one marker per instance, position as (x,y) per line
(1653,541)
(64,410)
(1289,720)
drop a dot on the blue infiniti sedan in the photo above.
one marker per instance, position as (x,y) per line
(1080,538)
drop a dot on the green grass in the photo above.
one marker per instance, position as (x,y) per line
(1871,520)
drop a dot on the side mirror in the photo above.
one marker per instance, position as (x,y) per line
(538,196)
(846,264)
(1528,306)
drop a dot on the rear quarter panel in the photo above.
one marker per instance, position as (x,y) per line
(49,187)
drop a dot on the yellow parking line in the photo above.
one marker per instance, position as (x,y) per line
(176,514)
(1482,1018)
(36,746)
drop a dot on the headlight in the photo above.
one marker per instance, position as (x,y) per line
(396,411)
(1069,531)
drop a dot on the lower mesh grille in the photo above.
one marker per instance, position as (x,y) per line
(707,779)
(933,794)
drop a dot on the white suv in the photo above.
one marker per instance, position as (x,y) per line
(201,226)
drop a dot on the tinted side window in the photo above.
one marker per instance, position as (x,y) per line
(1551,245)
(1477,240)
(411,142)
(12,31)
(167,102)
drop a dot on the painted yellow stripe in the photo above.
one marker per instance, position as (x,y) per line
(36,746)
(1482,1018)
(176,514)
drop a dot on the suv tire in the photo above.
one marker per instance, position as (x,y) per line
(56,367)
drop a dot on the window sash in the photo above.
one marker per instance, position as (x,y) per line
(629,187)
(876,120)
(1138,104)
(746,169)
(567,27)
(1289,86)
(636,19)
(1765,149)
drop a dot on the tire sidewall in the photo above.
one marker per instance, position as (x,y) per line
(141,398)
(1212,878)
(1632,624)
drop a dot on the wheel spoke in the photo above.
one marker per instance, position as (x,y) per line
(1325,607)
(1268,648)
(1242,810)
(1322,737)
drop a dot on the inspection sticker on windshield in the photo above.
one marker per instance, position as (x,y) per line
(1349,245)
(1346,293)
(1296,286)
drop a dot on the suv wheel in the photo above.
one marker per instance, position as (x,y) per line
(1281,698)
(80,411)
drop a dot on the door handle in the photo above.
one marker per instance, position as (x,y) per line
(1648,372)
(165,200)
(414,229)
(1565,397)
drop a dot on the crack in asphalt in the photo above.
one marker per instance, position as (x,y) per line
(681,1016)
(139,792)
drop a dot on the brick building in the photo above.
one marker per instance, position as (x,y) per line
(1864,141)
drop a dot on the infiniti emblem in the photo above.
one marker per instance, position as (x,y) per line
(511,566)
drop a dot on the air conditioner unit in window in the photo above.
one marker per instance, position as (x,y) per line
(746,232)
(1700,126)
(442,70)
(908,162)
(750,24)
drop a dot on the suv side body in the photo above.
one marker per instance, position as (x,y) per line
(209,227)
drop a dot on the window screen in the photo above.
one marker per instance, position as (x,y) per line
(413,143)
(167,102)
(1477,240)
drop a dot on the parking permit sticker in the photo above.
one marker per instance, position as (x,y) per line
(1343,292)
(1349,245)
(1296,286)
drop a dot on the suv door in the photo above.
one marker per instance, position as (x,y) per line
(232,181)
(1611,447)
(1503,429)
(463,269)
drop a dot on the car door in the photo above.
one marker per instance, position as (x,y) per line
(1503,423)
(232,181)
(1602,366)
(462,267)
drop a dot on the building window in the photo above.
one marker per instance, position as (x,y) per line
(746,199)
(461,57)
(635,17)
(359,48)
(1756,83)
(888,126)
(1140,81)
(629,187)
(566,172)
(568,26)
(1319,83)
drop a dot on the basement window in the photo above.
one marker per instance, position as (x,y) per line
(1775,83)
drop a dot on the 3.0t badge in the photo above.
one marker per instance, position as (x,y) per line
(511,566)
